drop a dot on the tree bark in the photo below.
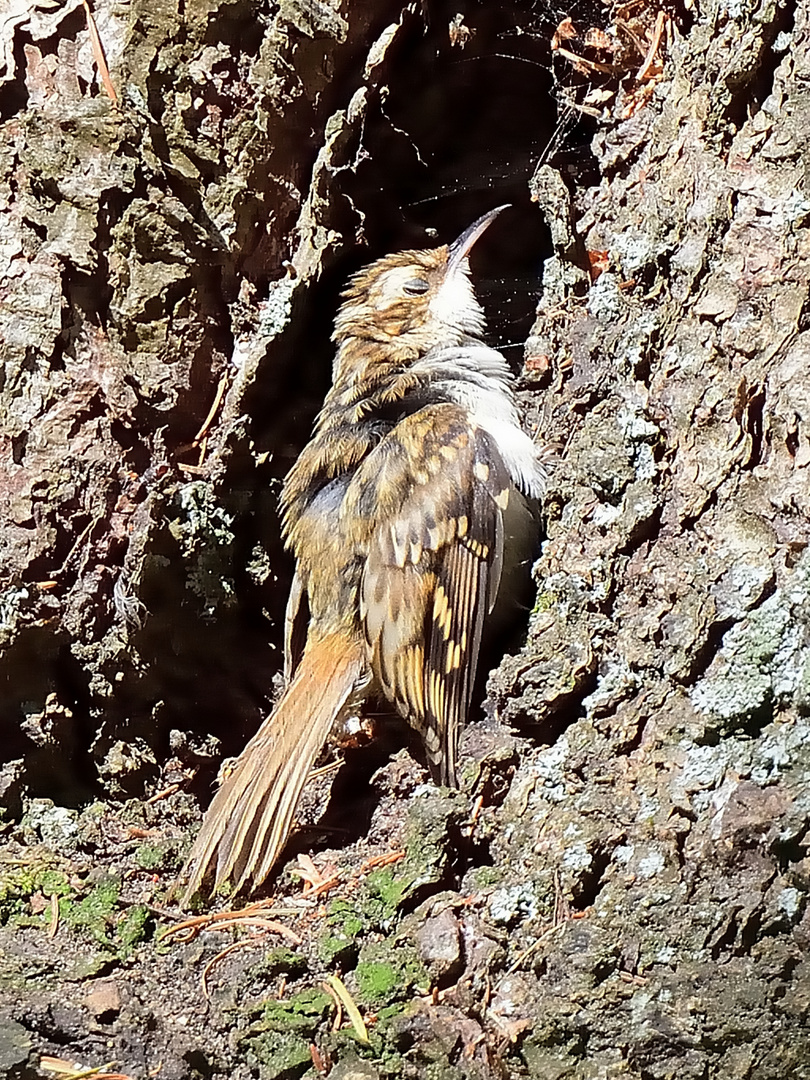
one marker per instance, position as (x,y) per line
(621,888)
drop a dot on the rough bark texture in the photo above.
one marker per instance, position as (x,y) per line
(621,888)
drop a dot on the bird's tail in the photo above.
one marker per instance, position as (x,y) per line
(249,820)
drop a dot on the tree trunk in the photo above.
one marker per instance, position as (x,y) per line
(621,888)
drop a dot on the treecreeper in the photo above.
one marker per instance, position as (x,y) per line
(404,512)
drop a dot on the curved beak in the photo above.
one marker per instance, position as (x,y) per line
(460,249)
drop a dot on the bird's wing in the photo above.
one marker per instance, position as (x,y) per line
(433,568)
(296,620)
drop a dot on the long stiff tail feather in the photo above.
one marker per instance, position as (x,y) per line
(251,815)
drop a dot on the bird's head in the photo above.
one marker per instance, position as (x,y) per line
(416,300)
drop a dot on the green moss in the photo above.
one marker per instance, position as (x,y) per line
(94,814)
(53,882)
(375,908)
(376,980)
(433,819)
(203,531)
(157,856)
(280,961)
(544,602)
(442,1070)
(18,885)
(344,919)
(346,925)
(282,1057)
(337,950)
(552,1062)
(387,972)
(388,1013)
(136,926)
(762,662)
(88,966)
(92,917)
(281,1036)
(483,877)
(301,1013)
(389,890)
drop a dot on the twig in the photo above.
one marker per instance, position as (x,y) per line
(317,1060)
(270,925)
(339,987)
(382,860)
(66,1071)
(93,521)
(223,382)
(315,882)
(324,770)
(219,920)
(478,805)
(170,790)
(338,1006)
(658,30)
(54,923)
(99,57)
(535,945)
(220,956)
(594,65)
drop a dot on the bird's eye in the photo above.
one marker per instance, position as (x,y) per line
(416,286)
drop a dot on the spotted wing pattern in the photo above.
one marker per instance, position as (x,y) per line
(433,569)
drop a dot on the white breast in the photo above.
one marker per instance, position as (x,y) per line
(479,380)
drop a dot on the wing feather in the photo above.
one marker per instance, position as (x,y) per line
(296,620)
(432,574)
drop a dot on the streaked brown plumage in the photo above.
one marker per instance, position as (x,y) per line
(398,512)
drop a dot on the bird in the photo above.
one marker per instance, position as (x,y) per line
(406,512)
